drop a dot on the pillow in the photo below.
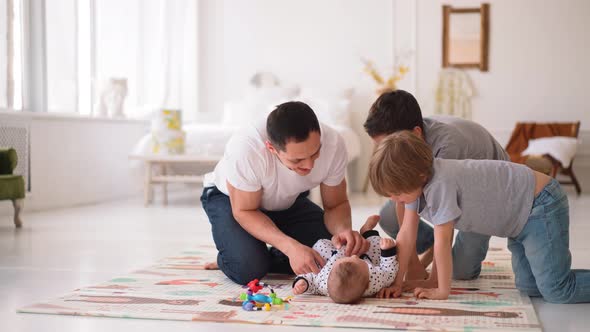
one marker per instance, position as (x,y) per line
(332,109)
(333,112)
(257,104)
(561,148)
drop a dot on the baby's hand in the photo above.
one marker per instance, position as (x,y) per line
(389,292)
(300,287)
(386,243)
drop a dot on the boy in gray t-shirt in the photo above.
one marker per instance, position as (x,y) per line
(450,138)
(489,197)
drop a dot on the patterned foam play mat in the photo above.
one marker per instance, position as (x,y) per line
(178,288)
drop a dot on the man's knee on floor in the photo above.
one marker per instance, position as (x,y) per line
(244,271)
(460,273)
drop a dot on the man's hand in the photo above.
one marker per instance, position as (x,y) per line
(304,259)
(391,291)
(355,243)
(431,293)
(300,287)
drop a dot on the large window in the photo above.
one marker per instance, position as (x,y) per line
(11,55)
(62,55)
(63,61)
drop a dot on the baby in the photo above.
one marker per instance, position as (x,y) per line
(347,279)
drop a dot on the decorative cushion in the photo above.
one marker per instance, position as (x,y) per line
(8,160)
(12,187)
(561,148)
(257,104)
(540,164)
(333,110)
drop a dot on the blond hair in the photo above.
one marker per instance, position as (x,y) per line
(401,164)
(346,283)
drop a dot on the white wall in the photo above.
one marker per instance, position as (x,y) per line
(77,161)
(317,45)
(210,32)
(538,66)
(538,61)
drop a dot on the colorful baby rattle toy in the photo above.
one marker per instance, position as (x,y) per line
(258,302)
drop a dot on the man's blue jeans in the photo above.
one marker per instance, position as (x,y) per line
(469,249)
(241,256)
(541,258)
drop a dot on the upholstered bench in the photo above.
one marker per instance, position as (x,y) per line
(12,187)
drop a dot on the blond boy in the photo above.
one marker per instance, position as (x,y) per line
(490,197)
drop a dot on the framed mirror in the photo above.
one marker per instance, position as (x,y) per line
(465,37)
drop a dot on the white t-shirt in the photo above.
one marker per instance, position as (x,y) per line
(249,166)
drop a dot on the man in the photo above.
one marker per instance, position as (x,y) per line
(257,195)
(450,138)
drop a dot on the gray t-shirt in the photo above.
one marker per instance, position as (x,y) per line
(455,138)
(489,197)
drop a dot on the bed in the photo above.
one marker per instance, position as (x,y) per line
(208,140)
(204,146)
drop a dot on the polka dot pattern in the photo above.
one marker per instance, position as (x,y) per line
(382,270)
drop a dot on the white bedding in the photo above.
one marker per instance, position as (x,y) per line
(210,139)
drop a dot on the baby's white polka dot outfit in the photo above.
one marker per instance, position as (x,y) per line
(383,265)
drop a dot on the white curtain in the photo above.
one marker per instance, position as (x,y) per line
(157,53)
(4,53)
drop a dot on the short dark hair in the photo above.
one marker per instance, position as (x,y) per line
(393,111)
(291,121)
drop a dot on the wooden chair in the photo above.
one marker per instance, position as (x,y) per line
(524,131)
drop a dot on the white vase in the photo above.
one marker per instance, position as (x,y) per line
(112,98)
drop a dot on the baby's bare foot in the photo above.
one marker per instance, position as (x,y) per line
(211,266)
(371,223)
(386,243)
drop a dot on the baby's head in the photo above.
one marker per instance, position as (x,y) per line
(348,280)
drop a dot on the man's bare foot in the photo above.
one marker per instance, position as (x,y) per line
(211,266)
(371,223)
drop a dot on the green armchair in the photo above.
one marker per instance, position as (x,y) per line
(12,187)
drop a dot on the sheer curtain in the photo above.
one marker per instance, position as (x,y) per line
(10,55)
(152,43)
(80,44)
(4,26)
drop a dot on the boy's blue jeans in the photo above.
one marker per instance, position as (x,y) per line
(241,256)
(541,259)
(469,249)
